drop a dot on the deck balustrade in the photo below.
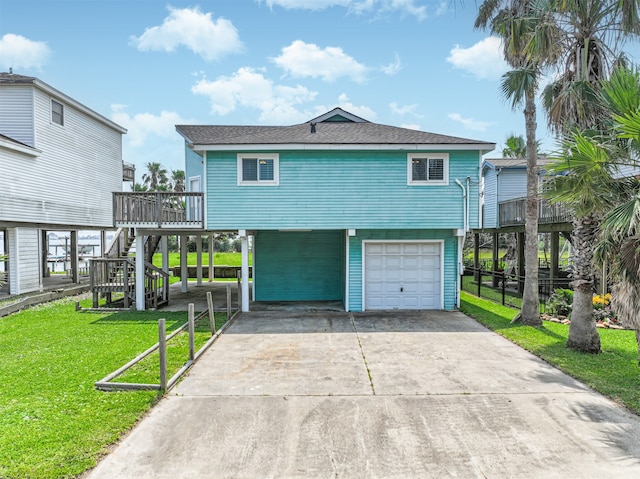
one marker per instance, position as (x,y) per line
(512,212)
(158,209)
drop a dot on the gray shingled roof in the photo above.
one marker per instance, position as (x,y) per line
(15,78)
(515,162)
(360,133)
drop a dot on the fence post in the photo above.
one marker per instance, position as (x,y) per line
(212,315)
(228,301)
(162,353)
(479,273)
(191,327)
(504,280)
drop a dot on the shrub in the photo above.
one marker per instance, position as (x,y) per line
(560,302)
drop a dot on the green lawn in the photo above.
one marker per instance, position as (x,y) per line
(614,372)
(53,422)
(226,259)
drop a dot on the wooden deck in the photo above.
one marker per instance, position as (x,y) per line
(158,209)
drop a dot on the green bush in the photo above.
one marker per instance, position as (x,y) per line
(560,302)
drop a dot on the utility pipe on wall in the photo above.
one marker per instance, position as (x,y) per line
(465,228)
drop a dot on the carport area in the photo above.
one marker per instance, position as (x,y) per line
(310,394)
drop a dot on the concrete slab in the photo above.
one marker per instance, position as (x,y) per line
(393,395)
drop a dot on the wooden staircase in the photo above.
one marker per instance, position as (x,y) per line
(113,276)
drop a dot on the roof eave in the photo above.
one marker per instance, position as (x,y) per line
(483,147)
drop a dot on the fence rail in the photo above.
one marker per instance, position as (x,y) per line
(506,288)
(158,209)
(512,212)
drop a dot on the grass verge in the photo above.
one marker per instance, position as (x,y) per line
(614,372)
(53,422)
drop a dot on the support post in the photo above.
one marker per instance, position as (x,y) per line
(496,260)
(75,276)
(199,260)
(212,314)
(476,255)
(228,301)
(140,306)
(45,254)
(162,353)
(212,253)
(164,251)
(184,270)
(103,242)
(244,241)
(191,327)
(521,262)
(553,267)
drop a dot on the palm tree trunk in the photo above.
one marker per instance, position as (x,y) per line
(530,299)
(583,334)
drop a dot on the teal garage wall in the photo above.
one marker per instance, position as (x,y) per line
(299,266)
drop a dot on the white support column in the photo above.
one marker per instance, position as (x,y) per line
(199,259)
(140,306)
(184,271)
(164,251)
(212,253)
(245,269)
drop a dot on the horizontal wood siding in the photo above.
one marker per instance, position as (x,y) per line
(299,266)
(72,182)
(339,190)
(490,200)
(16,113)
(356,259)
(193,165)
(512,184)
(24,260)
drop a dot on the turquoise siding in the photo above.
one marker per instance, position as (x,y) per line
(193,166)
(450,261)
(339,190)
(299,266)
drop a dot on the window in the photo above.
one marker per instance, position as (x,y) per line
(57,112)
(260,169)
(428,169)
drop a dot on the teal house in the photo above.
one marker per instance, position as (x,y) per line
(340,208)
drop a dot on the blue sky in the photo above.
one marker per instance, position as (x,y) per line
(149,65)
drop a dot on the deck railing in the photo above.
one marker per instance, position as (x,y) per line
(512,212)
(158,209)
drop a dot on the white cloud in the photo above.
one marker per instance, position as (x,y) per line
(392,68)
(469,123)
(211,39)
(250,88)
(403,110)
(18,52)
(358,6)
(302,59)
(484,60)
(142,125)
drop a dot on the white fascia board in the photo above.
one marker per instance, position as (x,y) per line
(320,146)
(79,106)
(27,150)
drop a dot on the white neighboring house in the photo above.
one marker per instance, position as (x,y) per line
(61,163)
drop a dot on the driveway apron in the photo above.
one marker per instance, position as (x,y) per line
(298,394)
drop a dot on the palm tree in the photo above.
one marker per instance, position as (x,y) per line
(510,19)
(515,147)
(590,34)
(156,177)
(178,180)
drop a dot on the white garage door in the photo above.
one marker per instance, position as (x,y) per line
(402,276)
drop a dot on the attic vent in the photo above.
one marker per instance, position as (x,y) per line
(313,127)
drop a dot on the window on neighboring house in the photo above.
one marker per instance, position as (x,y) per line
(428,169)
(259,169)
(57,112)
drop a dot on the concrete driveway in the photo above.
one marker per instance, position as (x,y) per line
(388,395)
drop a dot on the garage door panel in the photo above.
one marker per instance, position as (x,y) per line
(403,276)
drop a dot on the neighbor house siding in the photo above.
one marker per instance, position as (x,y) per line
(193,165)
(450,275)
(16,113)
(490,199)
(512,183)
(299,266)
(72,181)
(24,263)
(339,190)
